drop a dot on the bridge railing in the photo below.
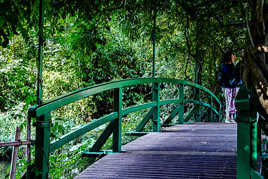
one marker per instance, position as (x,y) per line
(251,153)
(42,113)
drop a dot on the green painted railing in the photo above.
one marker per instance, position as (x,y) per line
(249,132)
(42,113)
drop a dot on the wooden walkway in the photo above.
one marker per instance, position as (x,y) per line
(192,151)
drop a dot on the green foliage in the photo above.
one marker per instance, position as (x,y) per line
(3,168)
(90,42)
(17,78)
(10,120)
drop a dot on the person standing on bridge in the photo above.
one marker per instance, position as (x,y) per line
(227,78)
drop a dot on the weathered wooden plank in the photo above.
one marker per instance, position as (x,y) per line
(204,150)
(16,143)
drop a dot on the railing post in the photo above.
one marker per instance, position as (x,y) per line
(181,104)
(156,109)
(198,112)
(42,146)
(246,136)
(12,173)
(211,111)
(117,131)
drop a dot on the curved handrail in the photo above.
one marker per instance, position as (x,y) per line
(42,113)
(88,91)
(202,104)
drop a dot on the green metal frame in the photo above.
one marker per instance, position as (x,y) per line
(42,114)
(247,130)
(103,137)
(156,108)
(117,130)
(146,119)
(247,123)
(63,100)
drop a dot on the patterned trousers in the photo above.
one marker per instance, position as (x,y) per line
(229,95)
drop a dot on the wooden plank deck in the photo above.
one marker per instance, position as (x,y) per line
(192,151)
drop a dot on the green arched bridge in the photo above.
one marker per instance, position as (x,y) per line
(175,148)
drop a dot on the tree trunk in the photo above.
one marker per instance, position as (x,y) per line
(255,73)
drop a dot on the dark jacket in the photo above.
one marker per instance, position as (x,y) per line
(227,76)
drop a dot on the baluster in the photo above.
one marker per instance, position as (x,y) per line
(220,113)
(198,115)
(117,132)
(156,109)
(181,104)
(211,111)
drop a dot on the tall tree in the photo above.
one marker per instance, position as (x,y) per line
(255,72)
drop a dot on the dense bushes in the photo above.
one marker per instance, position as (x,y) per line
(80,52)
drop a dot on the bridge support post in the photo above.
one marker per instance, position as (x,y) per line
(42,147)
(117,131)
(156,109)
(246,137)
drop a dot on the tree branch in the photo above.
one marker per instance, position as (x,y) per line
(188,45)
